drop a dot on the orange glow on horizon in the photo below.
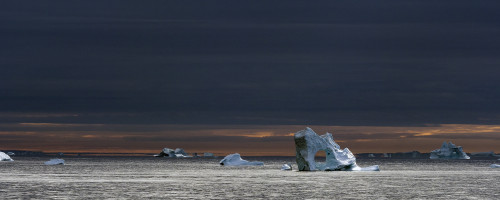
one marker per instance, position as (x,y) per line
(251,140)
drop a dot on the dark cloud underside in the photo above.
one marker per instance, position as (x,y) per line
(264,62)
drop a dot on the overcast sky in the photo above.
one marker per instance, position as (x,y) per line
(285,64)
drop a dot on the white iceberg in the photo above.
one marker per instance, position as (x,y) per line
(56,161)
(5,157)
(308,143)
(449,151)
(286,167)
(235,160)
(495,166)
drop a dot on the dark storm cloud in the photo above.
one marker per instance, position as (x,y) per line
(266,62)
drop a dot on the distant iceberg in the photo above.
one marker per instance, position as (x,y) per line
(5,157)
(177,153)
(208,154)
(166,152)
(286,167)
(449,151)
(308,143)
(495,166)
(235,160)
(56,161)
(483,154)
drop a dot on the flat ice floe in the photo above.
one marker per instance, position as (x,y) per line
(308,143)
(56,161)
(286,167)
(5,157)
(235,160)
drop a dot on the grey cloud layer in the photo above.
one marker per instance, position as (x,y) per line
(235,62)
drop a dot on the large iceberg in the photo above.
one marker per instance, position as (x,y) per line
(5,157)
(449,151)
(56,161)
(235,160)
(495,166)
(308,143)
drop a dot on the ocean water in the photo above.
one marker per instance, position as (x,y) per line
(164,178)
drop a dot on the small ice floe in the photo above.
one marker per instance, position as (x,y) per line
(5,157)
(235,160)
(370,168)
(56,161)
(495,166)
(286,167)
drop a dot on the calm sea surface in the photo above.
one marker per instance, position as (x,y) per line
(164,178)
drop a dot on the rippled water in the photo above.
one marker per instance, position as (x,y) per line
(147,177)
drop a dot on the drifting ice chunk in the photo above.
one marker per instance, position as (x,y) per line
(235,160)
(5,157)
(56,161)
(495,166)
(449,151)
(308,143)
(286,167)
